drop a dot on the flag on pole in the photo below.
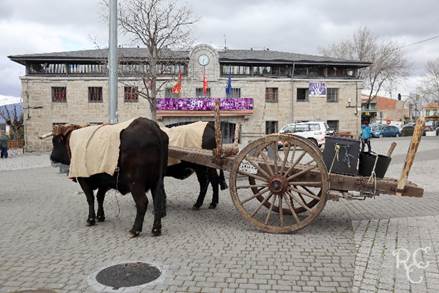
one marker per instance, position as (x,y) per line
(176,89)
(229,85)
(204,84)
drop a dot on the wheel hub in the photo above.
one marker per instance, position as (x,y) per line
(278,184)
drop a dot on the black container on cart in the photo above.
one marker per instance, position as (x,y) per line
(367,162)
(342,153)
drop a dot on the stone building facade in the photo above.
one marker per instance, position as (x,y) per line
(61,87)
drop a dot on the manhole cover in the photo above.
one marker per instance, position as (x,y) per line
(128,275)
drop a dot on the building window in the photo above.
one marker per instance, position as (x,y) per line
(59,94)
(333,124)
(302,95)
(95,94)
(131,94)
(271,127)
(236,93)
(332,95)
(271,94)
(199,93)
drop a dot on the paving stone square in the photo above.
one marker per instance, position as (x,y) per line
(45,243)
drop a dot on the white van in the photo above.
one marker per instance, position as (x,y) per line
(312,130)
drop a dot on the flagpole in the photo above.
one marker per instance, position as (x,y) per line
(113,63)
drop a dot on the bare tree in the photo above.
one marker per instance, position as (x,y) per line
(388,63)
(430,84)
(160,26)
(14,118)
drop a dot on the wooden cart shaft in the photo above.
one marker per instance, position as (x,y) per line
(337,181)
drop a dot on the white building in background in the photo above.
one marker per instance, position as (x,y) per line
(72,87)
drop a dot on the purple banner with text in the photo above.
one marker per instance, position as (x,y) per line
(204,104)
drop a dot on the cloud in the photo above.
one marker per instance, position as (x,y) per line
(302,26)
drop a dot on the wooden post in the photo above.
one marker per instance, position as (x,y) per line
(218,135)
(391,149)
(411,153)
(237,134)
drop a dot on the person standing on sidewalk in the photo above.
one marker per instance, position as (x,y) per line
(3,144)
(366,134)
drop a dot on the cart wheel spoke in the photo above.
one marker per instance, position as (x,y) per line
(260,193)
(308,194)
(266,159)
(252,175)
(293,212)
(267,218)
(306,170)
(295,163)
(260,205)
(251,186)
(286,154)
(281,211)
(274,150)
(256,165)
(299,202)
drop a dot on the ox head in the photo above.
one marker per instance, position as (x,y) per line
(60,141)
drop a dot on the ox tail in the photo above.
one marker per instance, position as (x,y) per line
(160,203)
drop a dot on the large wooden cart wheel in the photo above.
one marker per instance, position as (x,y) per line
(279,183)
(298,209)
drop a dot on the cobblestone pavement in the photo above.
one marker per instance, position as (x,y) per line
(388,226)
(44,242)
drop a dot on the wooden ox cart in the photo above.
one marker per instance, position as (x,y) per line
(280,183)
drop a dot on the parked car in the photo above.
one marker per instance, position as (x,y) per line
(407,130)
(390,131)
(376,129)
(312,130)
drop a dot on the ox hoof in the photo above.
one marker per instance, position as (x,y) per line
(196,207)
(212,206)
(91,222)
(134,233)
(156,231)
(101,219)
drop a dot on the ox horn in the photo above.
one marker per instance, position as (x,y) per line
(45,135)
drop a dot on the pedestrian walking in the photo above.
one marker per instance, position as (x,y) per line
(3,144)
(366,134)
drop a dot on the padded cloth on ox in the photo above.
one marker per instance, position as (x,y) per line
(95,149)
(188,136)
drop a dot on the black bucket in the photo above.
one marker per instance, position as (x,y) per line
(367,161)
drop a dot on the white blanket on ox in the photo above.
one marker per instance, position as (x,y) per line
(189,136)
(95,149)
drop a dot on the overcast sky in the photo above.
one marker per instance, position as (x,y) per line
(301,26)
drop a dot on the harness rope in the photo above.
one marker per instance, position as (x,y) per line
(373,175)
(336,156)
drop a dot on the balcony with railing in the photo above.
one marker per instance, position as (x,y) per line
(101,69)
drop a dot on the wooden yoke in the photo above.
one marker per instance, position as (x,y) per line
(411,153)
(218,134)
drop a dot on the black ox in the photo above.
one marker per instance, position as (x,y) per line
(142,162)
(205,175)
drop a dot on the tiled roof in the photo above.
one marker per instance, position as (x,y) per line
(237,56)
